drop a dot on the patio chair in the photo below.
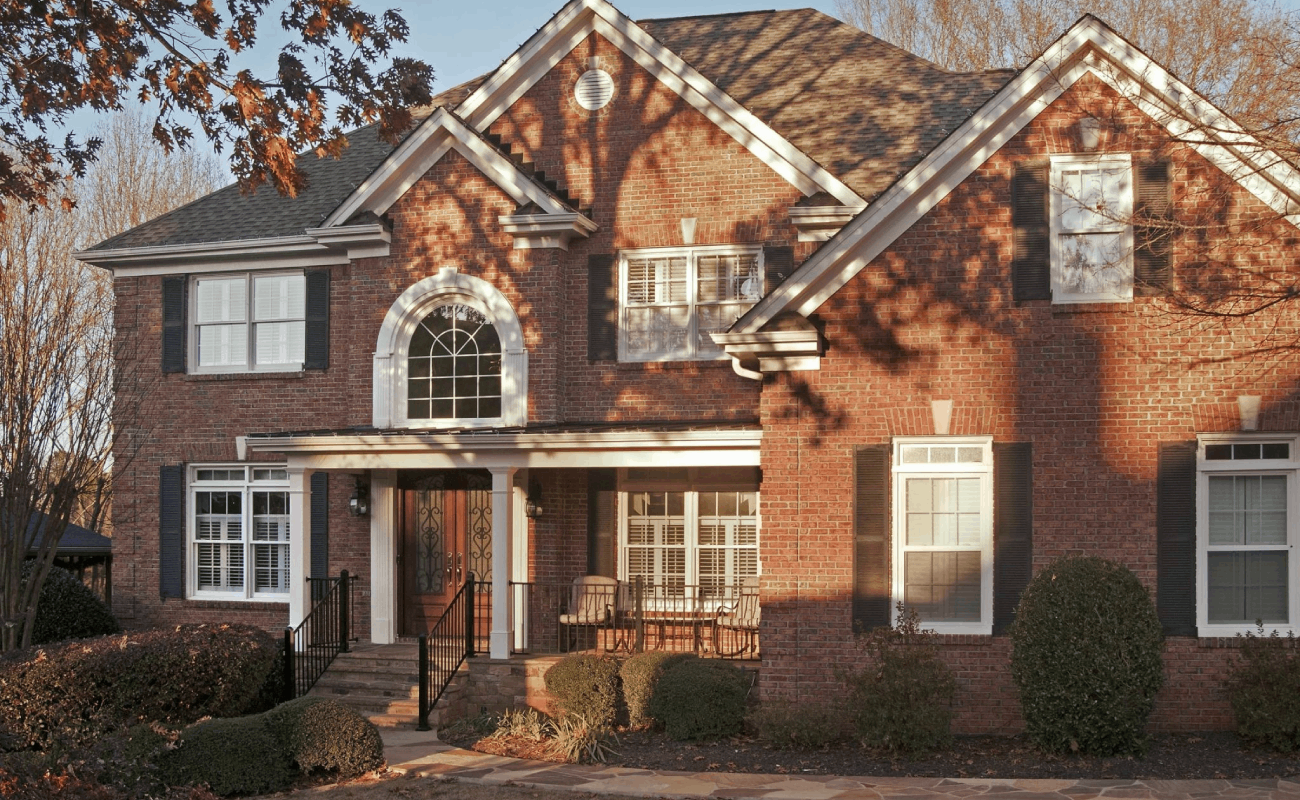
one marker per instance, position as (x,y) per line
(590,607)
(739,622)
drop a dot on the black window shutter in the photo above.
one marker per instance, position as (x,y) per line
(778,264)
(316,351)
(602,522)
(1031,273)
(173,331)
(320,525)
(1151,250)
(871,537)
(1013,528)
(602,307)
(1176,538)
(171,531)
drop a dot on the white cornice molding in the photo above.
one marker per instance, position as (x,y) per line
(358,241)
(1087,48)
(533,231)
(440,133)
(283,252)
(820,223)
(573,23)
(773,351)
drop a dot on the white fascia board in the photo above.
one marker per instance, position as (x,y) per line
(440,132)
(576,21)
(619,441)
(1089,47)
(527,459)
(285,252)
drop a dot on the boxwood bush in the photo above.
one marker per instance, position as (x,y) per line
(700,699)
(76,692)
(587,686)
(230,756)
(68,609)
(1086,657)
(320,735)
(640,675)
(1264,689)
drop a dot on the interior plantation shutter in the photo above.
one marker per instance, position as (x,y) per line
(1013,529)
(171,531)
(602,307)
(173,329)
(602,522)
(320,525)
(871,537)
(778,264)
(1151,242)
(316,350)
(1031,271)
(1176,538)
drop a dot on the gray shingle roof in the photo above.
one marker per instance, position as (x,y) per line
(864,109)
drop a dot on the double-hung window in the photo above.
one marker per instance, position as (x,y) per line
(689,534)
(1246,533)
(249,322)
(239,532)
(1092,228)
(671,299)
(943,537)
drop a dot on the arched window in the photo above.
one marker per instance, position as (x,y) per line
(454,366)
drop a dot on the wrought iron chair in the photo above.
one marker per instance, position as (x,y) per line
(590,607)
(739,621)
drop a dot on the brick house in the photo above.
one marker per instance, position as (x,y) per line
(730,299)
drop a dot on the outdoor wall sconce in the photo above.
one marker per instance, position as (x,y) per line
(533,503)
(359,502)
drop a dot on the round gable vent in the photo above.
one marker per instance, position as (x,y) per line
(594,89)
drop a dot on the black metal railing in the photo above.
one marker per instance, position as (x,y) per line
(445,648)
(310,648)
(635,616)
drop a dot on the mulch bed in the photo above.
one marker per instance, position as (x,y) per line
(1170,757)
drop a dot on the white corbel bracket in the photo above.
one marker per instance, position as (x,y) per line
(371,240)
(537,231)
(820,223)
(772,351)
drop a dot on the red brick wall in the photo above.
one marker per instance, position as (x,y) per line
(1095,388)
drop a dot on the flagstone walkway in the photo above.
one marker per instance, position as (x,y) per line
(415,753)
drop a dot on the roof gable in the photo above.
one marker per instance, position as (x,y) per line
(1089,47)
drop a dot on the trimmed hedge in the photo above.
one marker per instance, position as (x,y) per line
(68,609)
(700,699)
(1264,689)
(230,756)
(587,686)
(640,674)
(320,735)
(1086,657)
(76,692)
(805,726)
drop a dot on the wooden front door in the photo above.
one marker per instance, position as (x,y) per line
(445,524)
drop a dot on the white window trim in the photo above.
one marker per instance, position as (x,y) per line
(984,627)
(192,324)
(1204,469)
(247,486)
(1123,227)
(689,252)
(697,482)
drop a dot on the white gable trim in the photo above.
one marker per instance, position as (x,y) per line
(578,19)
(1087,48)
(438,135)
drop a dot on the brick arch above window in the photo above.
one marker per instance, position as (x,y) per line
(447,287)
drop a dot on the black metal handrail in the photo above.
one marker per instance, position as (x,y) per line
(311,647)
(445,648)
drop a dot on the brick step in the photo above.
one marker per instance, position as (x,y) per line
(341,685)
(401,721)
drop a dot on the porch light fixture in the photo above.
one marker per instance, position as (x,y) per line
(359,502)
(533,503)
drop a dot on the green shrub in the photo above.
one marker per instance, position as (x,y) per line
(586,686)
(802,726)
(701,698)
(1264,689)
(640,674)
(77,692)
(1086,658)
(901,699)
(68,609)
(321,735)
(229,756)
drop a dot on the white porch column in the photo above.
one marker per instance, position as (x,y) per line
(383,556)
(503,507)
(299,543)
(519,561)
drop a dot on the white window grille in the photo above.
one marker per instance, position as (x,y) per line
(1092,228)
(239,532)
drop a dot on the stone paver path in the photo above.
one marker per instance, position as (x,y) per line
(414,753)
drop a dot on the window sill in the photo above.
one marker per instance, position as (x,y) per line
(204,377)
(1070,309)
